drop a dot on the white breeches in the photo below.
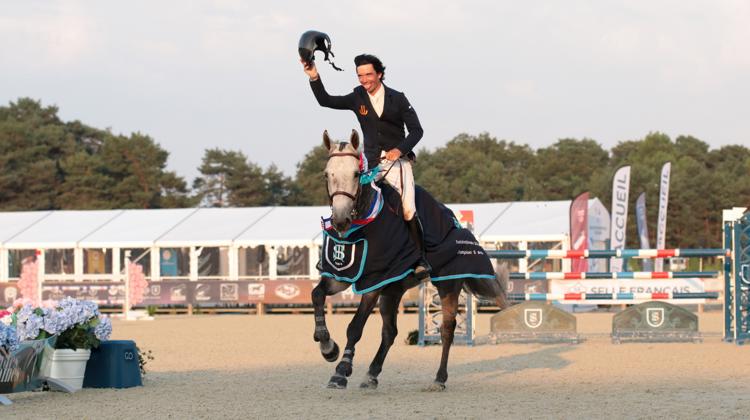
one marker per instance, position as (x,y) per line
(400,176)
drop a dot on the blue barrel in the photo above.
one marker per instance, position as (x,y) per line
(113,365)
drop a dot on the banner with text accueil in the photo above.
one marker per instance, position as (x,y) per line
(619,214)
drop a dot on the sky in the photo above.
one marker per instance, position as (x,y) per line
(225,74)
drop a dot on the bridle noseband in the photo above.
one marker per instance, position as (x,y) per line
(344,193)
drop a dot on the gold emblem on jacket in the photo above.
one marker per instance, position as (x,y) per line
(363,110)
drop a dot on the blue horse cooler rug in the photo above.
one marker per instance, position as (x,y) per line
(378,250)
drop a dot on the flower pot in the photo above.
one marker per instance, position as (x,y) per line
(66,365)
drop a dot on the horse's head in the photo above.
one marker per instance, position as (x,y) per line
(342,178)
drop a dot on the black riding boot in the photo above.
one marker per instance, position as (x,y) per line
(423,269)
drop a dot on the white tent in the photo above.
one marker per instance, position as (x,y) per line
(14,222)
(135,228)
(537,221)
(195,231)
(61,229)
(212,226)
(285,226)
(485,214)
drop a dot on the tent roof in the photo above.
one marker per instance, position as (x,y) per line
(285,226)
(531,221)
(212,226)
(14,222)
(61,229)
(485,214)
(136,228)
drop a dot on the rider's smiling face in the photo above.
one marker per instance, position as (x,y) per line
(368,78)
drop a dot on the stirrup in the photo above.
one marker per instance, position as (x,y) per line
(422,272)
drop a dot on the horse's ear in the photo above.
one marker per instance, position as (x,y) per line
(326,140)
(354,140)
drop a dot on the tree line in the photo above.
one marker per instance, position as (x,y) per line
(46,163)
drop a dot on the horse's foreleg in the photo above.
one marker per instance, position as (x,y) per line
(353,334)
(328,348)
(388,311)
(449,303)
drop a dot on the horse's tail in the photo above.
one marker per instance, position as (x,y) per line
(496,289)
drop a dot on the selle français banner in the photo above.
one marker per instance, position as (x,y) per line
(619,214)
(661,223)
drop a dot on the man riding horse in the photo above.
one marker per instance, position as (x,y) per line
(382,113)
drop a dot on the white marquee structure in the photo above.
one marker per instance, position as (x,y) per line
(228,244)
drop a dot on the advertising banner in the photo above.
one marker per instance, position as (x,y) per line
(642,224)
(466,219)
(184,292)
(527,286)
(101,293)
(579,230)
(689,285)
(598,234)
(8,293)
(218,292)
(619,221)
(661,223)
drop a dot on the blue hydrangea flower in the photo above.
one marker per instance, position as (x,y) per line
(103,329)
(29,328)
(8,338)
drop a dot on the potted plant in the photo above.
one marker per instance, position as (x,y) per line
(79,327)
(19,362)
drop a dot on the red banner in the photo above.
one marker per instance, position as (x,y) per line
(579,234)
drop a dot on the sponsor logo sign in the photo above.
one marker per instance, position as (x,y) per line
(287,291)
(655,317)
(229,291)
(256,291)
(532,317)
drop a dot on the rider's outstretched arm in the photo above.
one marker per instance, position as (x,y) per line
(331,101)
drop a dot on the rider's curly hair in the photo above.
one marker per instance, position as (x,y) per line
(363,59)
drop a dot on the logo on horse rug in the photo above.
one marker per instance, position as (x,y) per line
(341,255)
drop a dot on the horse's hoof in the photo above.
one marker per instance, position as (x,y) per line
(321,336)
(337,382)
(331,354)
(369,383)
(435,387)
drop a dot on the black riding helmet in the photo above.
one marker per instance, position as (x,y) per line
(312,41)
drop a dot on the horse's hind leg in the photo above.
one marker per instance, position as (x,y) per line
(353,334)
(389,301)
(328,348)
(449,301)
